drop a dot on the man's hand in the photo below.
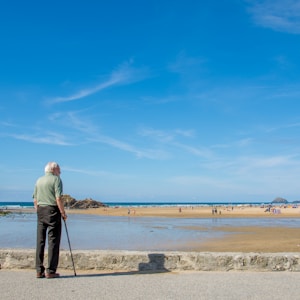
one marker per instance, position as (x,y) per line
(64,216)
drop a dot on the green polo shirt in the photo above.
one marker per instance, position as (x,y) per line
(47,189)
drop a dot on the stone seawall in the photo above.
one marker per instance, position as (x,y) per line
(157,261)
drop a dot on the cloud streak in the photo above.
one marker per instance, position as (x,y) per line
(93,173)
(277,174)
(49,138)
(166,136)
(124,74)
(287,126)
(144,153)
(278,15)
(185,64)
(92,134)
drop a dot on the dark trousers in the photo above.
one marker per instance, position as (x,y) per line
(48,219)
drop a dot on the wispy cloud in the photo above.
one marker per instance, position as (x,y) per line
(166,136)
(266,162)
(278,15)
(124,74)
(264,173)
(139,153)
(245,142)
(171,138)
(47,138)
(249,166)
(7,124)
(94,173)
(198,182)
(161,100)
(286,126)
(92,134)
(157,134)
(203,152)
(185,64)
(83,171)
(75,121)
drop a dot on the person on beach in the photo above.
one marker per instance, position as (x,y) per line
(48,203)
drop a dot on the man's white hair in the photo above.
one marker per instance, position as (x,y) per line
(51,166)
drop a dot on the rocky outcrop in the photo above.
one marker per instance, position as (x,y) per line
(88,203)
(68,200)
(279,200)
(140,261)
(71,202)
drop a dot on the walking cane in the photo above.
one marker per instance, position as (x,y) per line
(70,247)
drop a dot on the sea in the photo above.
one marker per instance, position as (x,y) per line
(21,204)
(93,232)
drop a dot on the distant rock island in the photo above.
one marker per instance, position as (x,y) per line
(279,200)
(283,201)
(70,202)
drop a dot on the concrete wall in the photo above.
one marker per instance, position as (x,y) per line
(157,261)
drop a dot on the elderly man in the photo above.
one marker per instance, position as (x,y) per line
(50,209)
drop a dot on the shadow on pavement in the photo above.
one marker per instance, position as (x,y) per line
(153,266)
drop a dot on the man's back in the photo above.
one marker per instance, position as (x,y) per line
(47,189)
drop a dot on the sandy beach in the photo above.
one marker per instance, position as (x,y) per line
(241,239)
(196,212)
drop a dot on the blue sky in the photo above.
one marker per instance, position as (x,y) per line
(152,100)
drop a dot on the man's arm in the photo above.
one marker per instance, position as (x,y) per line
(61,208)
(35,203)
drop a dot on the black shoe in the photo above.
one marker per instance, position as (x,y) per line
(40,275)
(52,275)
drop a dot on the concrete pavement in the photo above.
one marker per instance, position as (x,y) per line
(22,284)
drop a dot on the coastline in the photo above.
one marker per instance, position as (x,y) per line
(181,210)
